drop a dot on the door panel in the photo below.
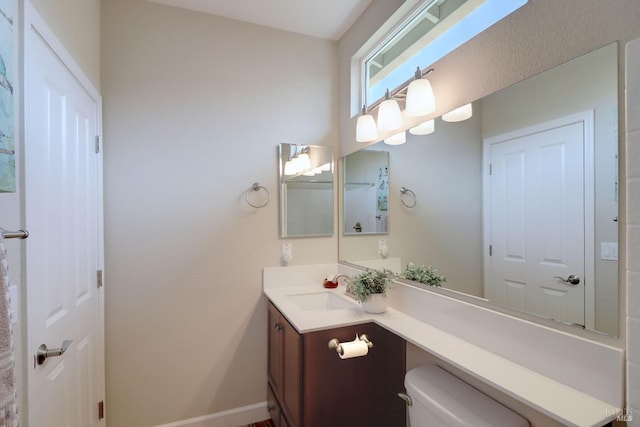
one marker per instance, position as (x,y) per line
(63,253)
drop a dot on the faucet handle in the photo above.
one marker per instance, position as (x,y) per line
(330,284)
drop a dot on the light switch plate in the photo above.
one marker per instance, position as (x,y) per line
(609,251)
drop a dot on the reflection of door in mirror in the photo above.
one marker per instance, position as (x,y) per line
(366,192)
(534,216)
(306,190)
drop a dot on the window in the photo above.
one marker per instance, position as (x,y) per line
(432,30)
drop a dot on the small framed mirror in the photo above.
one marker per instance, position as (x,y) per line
(366,192)
(306,190)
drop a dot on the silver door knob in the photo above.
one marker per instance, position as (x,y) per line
(44,353)
(572,279)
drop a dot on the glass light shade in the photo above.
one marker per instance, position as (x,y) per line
(397,139)
(423,128)
(366,129)
(389,115)
(459,114)
(420,99)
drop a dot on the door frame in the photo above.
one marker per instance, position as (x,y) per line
(587,120)
(32,21)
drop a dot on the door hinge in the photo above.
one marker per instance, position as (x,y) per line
(490,250)
(101,409)
(490,168)
(97,144)
(99,278)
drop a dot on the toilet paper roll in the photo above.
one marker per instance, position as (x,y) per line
(353,349)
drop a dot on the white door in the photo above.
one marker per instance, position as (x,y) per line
(63,203)
(535,222)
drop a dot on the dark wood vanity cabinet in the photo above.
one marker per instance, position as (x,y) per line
(310,386)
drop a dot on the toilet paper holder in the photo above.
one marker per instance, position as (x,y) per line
(334,344)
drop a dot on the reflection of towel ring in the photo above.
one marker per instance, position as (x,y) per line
(257,187)
(405,191)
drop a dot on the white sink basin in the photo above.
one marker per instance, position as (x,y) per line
(322,301)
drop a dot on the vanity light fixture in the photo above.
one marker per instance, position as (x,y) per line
(424,128)
(366,129)
(420,99)
(389,115)
(397,139)
(459,114)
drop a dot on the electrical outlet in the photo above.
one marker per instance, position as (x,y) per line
(287,252)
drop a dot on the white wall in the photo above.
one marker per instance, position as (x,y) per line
(194,109)
(633,229)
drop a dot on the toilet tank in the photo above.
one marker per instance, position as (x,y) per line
(440,399)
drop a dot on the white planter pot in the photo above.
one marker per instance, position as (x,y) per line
(375,303)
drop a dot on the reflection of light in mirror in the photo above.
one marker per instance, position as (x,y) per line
(304,161)
(420,99)
(366,129)
(459,114)
(389,115)
(424,128)
(289,168)
(397,139)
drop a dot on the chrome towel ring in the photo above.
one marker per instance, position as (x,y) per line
(255,188)
(407,197)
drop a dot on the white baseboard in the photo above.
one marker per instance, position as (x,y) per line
(231,418)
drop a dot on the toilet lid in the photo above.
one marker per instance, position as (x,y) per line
(456,402)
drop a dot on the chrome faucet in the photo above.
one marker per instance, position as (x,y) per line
(348,290)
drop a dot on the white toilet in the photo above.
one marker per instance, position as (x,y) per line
(439,399)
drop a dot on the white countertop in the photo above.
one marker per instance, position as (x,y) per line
(558,401)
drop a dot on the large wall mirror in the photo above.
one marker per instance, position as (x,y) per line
(306,190)
(517,205)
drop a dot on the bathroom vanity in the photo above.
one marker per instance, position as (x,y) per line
(311,386)
(304,317)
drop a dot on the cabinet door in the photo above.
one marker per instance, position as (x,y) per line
(361,391)
(292,375)
(273,407)
(275,363)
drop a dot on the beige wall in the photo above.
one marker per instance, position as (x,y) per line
(76,23)
(194,109)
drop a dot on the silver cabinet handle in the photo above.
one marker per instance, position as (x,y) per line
(572,279)
(44,353)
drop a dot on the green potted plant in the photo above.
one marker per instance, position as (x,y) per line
(427,275)
(370,287)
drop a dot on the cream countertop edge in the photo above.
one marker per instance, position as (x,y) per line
(538,391)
